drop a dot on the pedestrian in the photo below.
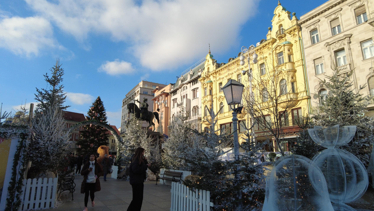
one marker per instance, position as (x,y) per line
(91,183)
(105,163)
(262,158)
(138,168)
(79,164)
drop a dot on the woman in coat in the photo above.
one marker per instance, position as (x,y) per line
(138,174)
(91,183)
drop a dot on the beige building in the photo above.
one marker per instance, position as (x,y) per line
(339,34)
(161,103)
(185,95)
(143,90)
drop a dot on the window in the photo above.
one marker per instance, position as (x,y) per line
(112,140)
(262,123)
(293,87)
(262,69)
(318,65)
(205,91)
(335,27)
(361,16)
(195,93)
(221,111)
(283,116)
(340,58)
(265,95)
(322,96)
(220,87)
(280,58)
(210,92)
(367,49)
(290,58)
(297,116)
(239,77)
(174,103)
(206,111)
(195,82)
(371,85)
(314,36)
(283,87)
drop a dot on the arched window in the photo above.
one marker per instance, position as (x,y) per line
(221,107)
(265,95)
(283,87)
(281,31)
(371,85)
(322,96)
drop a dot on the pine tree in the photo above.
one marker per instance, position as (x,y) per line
(94,134)
(55,94)
(344,105)
(134,136)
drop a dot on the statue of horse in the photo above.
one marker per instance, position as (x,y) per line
(134,109)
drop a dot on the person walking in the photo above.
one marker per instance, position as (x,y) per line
(105,163)
(138,168)
(91,183)
(79,164)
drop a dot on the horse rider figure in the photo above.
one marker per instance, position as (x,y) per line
(143,108)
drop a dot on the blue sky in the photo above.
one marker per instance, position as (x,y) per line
(107,47)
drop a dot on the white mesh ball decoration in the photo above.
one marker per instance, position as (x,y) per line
(346,176)
(296,184)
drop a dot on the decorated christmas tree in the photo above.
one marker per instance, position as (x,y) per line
(94,134)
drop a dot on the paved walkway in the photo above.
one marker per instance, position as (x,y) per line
(117,195)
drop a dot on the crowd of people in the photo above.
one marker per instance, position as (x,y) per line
(91,169)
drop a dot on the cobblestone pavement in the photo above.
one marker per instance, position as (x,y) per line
(117,195)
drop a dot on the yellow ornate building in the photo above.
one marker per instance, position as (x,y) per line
(279,75)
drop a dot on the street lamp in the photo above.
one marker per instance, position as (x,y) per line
(250,50)
(233,91)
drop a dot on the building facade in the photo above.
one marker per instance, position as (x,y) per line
(143,90)
(161,103)
(185,96)
(339,35)
(279,70)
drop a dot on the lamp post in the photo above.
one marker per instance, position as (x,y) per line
(233,91)
(249,51)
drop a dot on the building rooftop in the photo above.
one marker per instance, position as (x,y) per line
(72,116)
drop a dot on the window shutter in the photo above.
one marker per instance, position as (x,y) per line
(360,10)
(318,61)
(371,83)
(335,22)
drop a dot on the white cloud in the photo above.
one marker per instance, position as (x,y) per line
(144,77)
(26,36)
(26,106)
(114,118)
(164,34)
(79,98)
(116,67)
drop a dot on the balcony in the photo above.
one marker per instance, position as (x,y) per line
(344,68)
(280,33)
(288,100)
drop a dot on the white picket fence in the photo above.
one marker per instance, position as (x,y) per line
(39,194)
(184,199)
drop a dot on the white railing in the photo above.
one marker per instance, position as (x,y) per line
(39,194)
(184,199)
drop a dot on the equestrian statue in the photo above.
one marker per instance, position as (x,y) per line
(143,113)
